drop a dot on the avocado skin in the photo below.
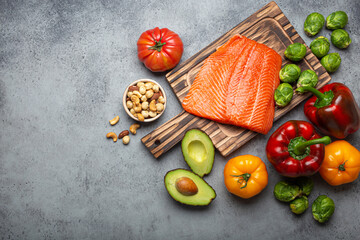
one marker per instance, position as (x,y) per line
(197,205)
(188,159)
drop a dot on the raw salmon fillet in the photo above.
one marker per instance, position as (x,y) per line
(236,85)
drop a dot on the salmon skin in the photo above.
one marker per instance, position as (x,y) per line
(236,85)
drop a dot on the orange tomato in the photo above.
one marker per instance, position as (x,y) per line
(341,163)
(245,176)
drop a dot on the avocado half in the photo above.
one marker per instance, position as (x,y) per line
(203,196)
(198,151)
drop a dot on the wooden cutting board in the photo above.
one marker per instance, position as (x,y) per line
(268,26)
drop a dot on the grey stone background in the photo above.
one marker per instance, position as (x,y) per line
(63,69)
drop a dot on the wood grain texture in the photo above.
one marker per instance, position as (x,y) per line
(268,26)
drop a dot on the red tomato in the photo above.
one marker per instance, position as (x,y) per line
(160,49)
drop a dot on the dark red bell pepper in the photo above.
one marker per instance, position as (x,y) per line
(295,149)
(332,109)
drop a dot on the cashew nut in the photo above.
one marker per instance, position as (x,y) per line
(134,127)
(112,135)
(126,140)
(114,121)
(140,117)
(135,99)
(152,114)
(153,106)
(129,94)
(137,94)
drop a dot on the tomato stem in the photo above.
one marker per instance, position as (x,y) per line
(243,178)
(342,166)
(158,44)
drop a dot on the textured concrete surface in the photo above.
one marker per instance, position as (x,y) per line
(63,69)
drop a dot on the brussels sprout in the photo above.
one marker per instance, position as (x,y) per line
(340,38)
(331,62)
(323,208)
(336,20)
(290,73)
(295,52)
(306,185)
(313,24)
(299,205)
(286,192)
(283,94)
(320,46)
(307,78)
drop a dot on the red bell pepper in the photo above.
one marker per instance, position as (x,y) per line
(332,109)
(295,149)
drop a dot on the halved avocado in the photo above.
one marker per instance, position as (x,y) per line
(198,151)
(188,188)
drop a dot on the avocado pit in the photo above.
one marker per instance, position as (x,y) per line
(186,186)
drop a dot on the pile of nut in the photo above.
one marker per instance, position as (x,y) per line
(145,100)
(124,135)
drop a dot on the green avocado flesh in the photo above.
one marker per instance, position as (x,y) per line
(204,195)
(198,151)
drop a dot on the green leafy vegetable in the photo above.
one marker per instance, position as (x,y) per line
(295,52)
(299,205)
(286,192)
(313,24)
(290,73)
(320,46)
(283,94)
(340,38)
(331,62)
(307,78)
(306,185)
(336,20)
(323,208)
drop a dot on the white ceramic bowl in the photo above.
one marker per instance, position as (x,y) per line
(125,97)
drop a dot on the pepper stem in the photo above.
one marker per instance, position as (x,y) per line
(323,99)
(300,147)
(342,166)
(243,178)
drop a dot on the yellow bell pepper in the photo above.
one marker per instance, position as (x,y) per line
(341,163)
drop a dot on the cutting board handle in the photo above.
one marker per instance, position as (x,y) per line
(169,134)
